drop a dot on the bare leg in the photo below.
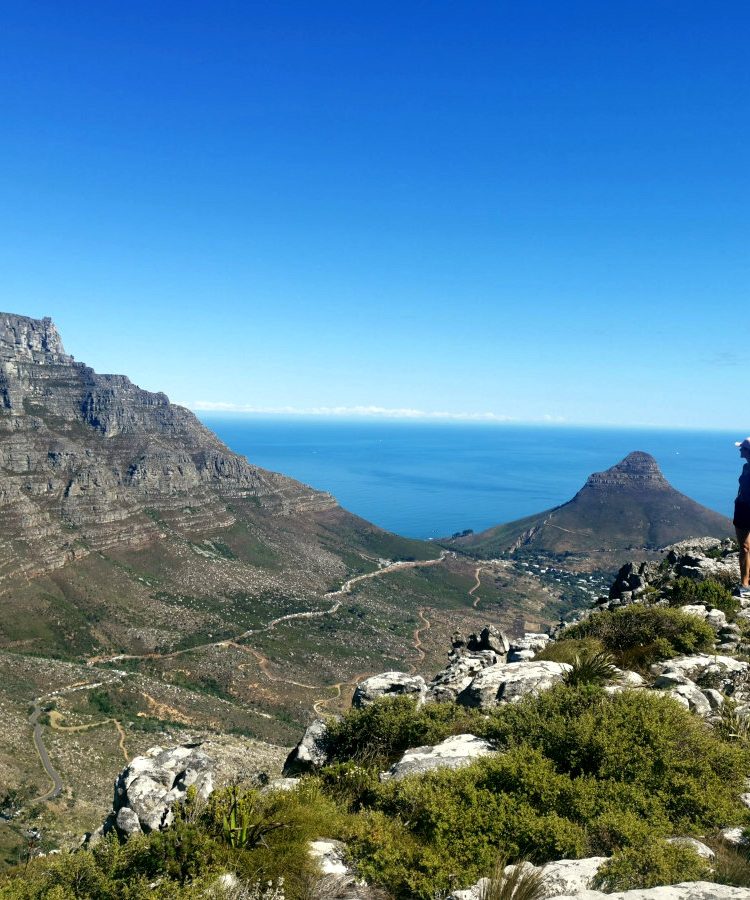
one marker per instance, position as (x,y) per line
(743,539)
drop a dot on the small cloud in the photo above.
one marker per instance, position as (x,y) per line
(375,412)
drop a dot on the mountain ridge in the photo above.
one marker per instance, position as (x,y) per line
(84,457)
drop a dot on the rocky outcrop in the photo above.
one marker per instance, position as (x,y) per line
(310,753)
(509,682)
(388,684)
(565,876)
(689,890)
(150,785)
(453,753)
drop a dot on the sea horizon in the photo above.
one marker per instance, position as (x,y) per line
(430,478)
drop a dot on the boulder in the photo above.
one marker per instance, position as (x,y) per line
(329,856)
(695,609)
(568,876)
(686,890)
(684,691)
(509,682)
(147,789)
(127,823)
(389,684)
(704,851)
(490,638)
(527,647)
(717,619)
(310,753)
(735,837)
(452,753)
(724,672)
(715,698)
(463,666)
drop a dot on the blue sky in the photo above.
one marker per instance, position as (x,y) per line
(534,211)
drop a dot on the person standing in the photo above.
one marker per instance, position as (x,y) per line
(741,519)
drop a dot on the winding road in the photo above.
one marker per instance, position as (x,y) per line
(263,664)
(52,773)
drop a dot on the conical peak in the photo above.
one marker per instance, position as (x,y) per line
(638,469)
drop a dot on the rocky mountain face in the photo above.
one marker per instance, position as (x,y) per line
(91,461)
(630,505)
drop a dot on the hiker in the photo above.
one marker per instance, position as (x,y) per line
(741,519)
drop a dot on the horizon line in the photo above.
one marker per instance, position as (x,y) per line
(413,415)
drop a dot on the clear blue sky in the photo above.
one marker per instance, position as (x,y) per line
(530,209)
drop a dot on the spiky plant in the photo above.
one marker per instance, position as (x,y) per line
(521,882)
(732,726)
(592,668)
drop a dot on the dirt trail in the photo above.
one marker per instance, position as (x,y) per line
(417,641)
(264,665)
(345,589)
(55,723)
(477,572)
(320,705)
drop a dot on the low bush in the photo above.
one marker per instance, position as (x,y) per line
(687,591)
(637,635)
(186,859)
(565,651)
(651,864)
(580,773)
(380,733)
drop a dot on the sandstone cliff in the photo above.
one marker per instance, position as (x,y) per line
(91,461)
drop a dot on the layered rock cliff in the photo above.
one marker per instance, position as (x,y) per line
(91,461)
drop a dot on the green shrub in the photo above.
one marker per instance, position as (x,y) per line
(685,591)
(380,733)
(645,741)
(637,635)
(592,668)
(565,651)
(651,864)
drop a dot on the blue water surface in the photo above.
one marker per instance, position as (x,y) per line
(431,480)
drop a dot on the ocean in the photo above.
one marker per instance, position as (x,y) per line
(431,480)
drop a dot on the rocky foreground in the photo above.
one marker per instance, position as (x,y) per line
(487,671)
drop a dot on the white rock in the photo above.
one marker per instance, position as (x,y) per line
(629,679)
(509,682)
(127,822)
(745,798)
(687,890)
(449,683)
(717,619)
(704,851)
(568,876)
(695,609)
(735,837)
(330,857)
(715,698)
(452,753)
(310,753)
(280,784)
(388,684)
